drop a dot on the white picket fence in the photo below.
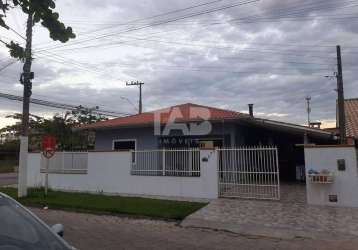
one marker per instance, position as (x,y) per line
(66,162)
(166,162)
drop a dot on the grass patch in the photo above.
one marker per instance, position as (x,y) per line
(98,203)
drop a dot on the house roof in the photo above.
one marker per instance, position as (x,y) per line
(351,111)
(190,112)
(180,113)
(332,130)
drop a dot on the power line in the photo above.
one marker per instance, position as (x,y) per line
(61,100)
(17,33)
(247,49)
(130,102)
(304,9)
(209,69)
(121,42)
(157,15)
(190,22)
(255,50)
(66,61)
(240,50)
(8,65)
(319,6)
(8,38)
(153,40)
(170,12)
(61,105)
(239,18)
(213,45)
(196,69)
(165,21)
(14,16)
(296,18)
(268,60)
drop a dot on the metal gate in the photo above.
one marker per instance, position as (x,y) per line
(249,172)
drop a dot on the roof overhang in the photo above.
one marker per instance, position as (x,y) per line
(258,122)
(289,127)
(150,124)
(143,125)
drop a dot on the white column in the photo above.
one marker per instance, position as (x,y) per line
(209,172)
(22,177)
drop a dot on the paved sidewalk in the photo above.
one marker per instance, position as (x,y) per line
(289,218)
(8,179)
(95,232)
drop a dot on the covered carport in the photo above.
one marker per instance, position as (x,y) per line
(266,160)
(289,139)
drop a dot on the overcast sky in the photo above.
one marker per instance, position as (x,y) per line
(272,53)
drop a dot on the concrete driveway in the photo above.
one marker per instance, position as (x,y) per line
(8,179)
(288,218)
(91,232)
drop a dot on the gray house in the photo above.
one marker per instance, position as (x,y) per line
(193,126)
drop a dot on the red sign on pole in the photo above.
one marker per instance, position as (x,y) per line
(48,146)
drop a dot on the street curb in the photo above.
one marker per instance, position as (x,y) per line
(264,231)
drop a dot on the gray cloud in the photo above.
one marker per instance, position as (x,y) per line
(263,61)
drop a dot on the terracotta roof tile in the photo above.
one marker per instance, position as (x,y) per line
(351,111)
(179,113)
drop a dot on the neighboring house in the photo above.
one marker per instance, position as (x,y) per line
(197,126)
(351,111)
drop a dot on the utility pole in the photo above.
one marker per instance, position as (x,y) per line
(139,84)
(25,79)
(308,100)
(340,90)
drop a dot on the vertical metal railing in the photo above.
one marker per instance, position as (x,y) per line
(66,162)
(166,162)
(249,172)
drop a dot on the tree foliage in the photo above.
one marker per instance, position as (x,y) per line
(60,126)
(16,51)
(43,12)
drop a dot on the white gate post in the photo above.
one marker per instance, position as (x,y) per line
(191,152)
(278,176)
(163,158)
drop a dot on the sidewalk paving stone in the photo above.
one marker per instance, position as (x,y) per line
(288,218)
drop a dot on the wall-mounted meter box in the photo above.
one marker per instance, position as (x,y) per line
(333,198)
(341,164)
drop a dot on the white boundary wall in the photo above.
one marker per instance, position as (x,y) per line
(109,172)
(345,183)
